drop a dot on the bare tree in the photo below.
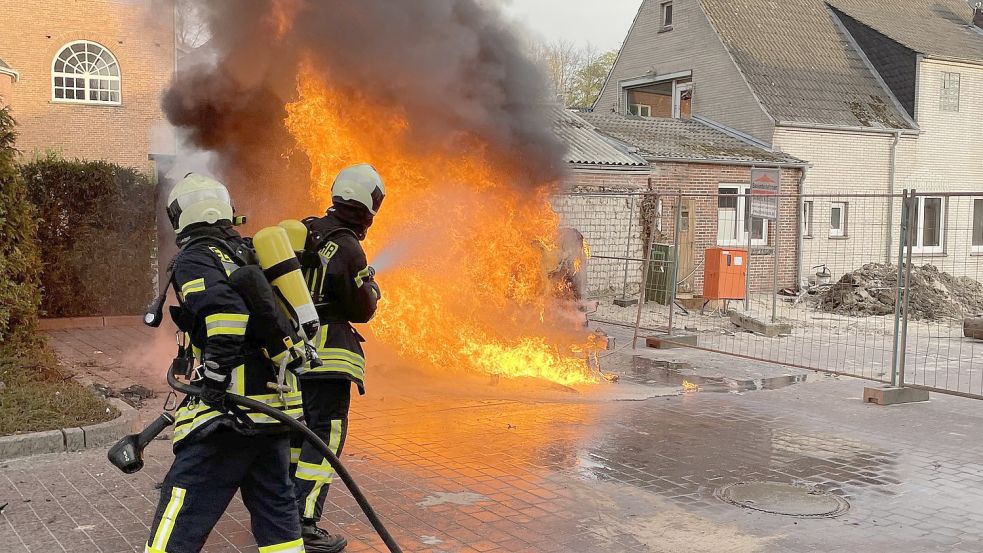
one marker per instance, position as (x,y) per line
(576,74)
(190,28)
(560,59)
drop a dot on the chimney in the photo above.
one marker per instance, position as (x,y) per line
(978,15)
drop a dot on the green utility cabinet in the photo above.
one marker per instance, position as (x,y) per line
(661,277)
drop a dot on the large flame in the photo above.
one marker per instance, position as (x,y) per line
(467,287)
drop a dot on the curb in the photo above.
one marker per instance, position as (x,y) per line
(72,439)
(109,321)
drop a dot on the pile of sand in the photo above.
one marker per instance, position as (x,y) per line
(872,290)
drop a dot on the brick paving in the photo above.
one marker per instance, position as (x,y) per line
(494,469)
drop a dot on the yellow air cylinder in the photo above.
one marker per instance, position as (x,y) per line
(282,269)
(297,233)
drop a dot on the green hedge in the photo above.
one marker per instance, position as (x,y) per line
(96,235)
(19,260)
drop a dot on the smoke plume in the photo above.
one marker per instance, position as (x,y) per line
(454,68)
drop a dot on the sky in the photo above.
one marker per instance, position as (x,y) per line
(603,23)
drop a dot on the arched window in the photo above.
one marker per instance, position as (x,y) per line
(85,72)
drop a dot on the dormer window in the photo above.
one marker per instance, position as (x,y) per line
(666,16)
(661,98)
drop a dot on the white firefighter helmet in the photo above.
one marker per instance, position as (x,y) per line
(359,185)
(198,199)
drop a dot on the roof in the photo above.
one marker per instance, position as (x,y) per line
(939,28)
(803,68)
(586,146)
(683,140)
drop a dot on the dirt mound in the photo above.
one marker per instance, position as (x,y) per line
(872,290)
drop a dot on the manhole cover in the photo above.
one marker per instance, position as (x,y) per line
(783,499)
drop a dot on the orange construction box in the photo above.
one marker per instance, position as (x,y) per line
(724,273)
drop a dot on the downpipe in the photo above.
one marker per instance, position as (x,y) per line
(130,447)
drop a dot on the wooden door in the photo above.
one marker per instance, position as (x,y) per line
(687,236)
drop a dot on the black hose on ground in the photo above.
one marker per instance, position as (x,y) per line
(314,440)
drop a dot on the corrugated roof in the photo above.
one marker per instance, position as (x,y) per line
(942,28)
(801,66)
(682,139)
(586,146)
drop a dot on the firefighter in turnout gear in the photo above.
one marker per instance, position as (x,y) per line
(219,448)
(344,291)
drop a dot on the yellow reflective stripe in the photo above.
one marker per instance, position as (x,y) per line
(296,546)
(192,286)
(314,472)
(361,276)
(226,323)
(199,420)
(294,455)
(334,442)
(237,384)
(328,353)
(260,418)
(167,522)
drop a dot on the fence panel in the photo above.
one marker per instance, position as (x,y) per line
(945,236)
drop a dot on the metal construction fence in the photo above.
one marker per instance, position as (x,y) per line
(877,286)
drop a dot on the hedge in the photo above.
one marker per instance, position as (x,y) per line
(19,260)
(97,236)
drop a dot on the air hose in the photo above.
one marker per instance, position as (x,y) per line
(314,440)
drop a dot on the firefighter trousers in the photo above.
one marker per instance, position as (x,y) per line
(326,404)
(203,480)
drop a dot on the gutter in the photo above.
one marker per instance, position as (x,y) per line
(739,163)
(840,128)
(892,176)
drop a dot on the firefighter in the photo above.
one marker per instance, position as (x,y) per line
(344,292)
(219,448)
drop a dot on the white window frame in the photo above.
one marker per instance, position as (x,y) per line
(918,247)
(842,230)
(808,209)
(949,92)
(639,108)
(678,89)
(742,232)
(667,7)
(975,248)
(87,78)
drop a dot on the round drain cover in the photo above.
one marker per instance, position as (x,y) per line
(783,499)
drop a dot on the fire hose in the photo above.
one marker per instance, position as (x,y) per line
(129,449)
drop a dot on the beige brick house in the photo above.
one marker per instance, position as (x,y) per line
(84,78)
(877,96)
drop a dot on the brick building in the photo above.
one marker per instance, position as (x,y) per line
(876,96)
(84,78)
(613,159)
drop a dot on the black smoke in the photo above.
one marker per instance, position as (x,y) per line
(454,67)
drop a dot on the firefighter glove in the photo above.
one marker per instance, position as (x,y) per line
(213,387)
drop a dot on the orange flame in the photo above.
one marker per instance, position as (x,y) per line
(470,292)
(689,386)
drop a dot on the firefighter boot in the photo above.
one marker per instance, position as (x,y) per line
(318,540)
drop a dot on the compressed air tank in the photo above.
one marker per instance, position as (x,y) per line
(296,231)
(281,267)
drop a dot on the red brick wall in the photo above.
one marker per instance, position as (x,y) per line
(704,180)
(142,40)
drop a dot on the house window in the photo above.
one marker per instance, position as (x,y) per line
(671,98)
(85,72)
(666,16)
(838,213)
(950,92)
(927,225)
(978,225)
(732,218)
(807,219)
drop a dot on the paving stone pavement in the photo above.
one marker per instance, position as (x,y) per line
(491,468)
